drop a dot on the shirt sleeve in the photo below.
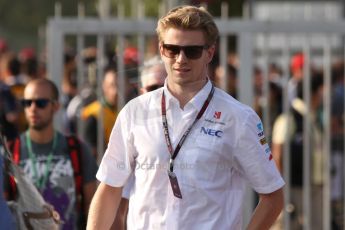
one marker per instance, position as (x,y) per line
(253,157)
(116,165)
(127,189)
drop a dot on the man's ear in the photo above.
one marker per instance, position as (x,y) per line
(56,106)
(210,53)
(160,46)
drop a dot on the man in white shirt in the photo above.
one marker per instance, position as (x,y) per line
(190,146)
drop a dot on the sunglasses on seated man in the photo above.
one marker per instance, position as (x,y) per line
(191,52)
(40,103)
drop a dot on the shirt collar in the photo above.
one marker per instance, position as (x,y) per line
(197,101)
(169,98)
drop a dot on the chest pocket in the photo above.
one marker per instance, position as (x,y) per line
(203,160)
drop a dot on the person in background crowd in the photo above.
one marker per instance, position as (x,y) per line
(270,100)
(189,146)
(231,87)
(6,219)
(10,71)
(105,108)
(69,78)
(8,112)
(152,75)
(291,128)
(337,144)
(3,47)
(61,167)
(297,72)
(131,61)
(10,75)
(87,92)
(29,64)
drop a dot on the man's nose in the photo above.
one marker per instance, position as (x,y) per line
(181,57)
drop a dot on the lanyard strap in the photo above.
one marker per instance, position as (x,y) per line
(40,182)
(173,153)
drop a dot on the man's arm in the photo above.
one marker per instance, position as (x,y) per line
(268,209)
(121,216)
(103,207)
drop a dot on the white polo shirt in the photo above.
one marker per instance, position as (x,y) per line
(225,148)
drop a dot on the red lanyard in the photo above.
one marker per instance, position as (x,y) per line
(173,153)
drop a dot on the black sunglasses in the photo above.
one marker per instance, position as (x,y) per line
(40,103)
(191,52)
(152,87)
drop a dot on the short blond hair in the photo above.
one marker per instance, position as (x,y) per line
(189,18)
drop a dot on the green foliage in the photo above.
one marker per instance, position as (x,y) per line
(20,20)
(151,7)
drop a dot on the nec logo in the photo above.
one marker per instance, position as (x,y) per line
(211,132)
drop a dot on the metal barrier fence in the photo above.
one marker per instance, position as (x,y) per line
(245,32)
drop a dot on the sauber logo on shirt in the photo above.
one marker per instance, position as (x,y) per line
(260,127)
(217,114)
(211,132)
(215,122)
(268,151)
(263,141)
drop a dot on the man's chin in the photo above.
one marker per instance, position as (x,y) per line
(37,127)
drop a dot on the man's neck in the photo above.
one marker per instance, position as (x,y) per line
(184,93)
(41,136)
